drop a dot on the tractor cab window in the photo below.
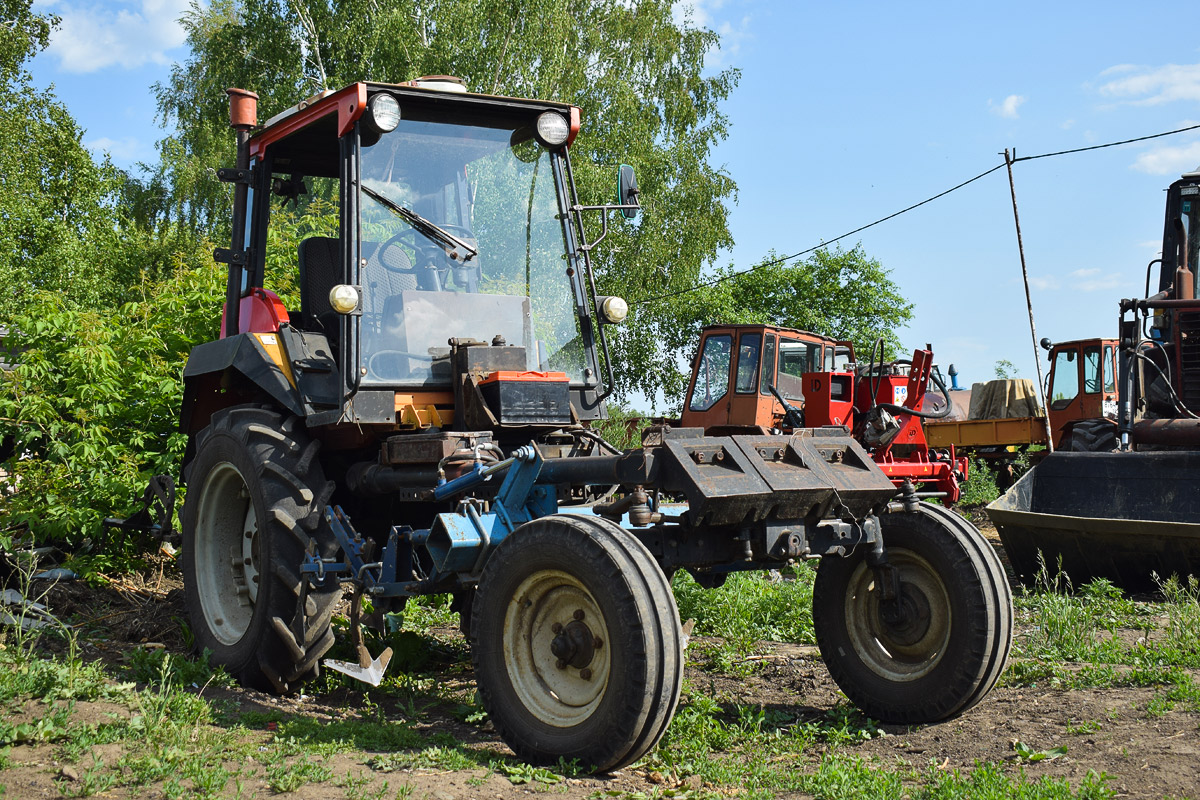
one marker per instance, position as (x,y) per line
(712,373)
(460,237)
(749,348)
(1064,379)
(1091,370)
(768,367)
(304,224)
(1110,381)
(795,359)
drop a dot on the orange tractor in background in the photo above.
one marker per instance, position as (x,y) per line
(762,378)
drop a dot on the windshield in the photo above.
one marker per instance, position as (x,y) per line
(460,239)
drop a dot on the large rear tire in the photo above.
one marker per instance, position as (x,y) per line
(577,645)
(951,640)
(1092,436)
(254,507)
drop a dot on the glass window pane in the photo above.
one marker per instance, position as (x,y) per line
(712,373)
(749,349)
(1110,380)
(1065,380)
(795,359)
(1091,370)
(768,368)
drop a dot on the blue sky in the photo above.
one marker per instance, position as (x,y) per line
(848,112)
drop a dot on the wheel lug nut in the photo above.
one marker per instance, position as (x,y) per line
(578,613)
(556,627)
(597,643)
(585,673)
(561,664)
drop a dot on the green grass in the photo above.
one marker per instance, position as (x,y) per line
(750,607)
(178,742)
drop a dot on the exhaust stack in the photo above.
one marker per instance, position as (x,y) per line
(243,116)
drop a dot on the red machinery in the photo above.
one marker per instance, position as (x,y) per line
(763,378)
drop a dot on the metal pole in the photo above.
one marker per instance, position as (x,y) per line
(1008,162)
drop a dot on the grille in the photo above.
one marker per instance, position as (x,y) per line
(1189,359)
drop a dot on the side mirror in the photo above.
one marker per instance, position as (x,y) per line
(627,191)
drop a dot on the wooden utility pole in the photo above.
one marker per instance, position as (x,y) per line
(1009,158)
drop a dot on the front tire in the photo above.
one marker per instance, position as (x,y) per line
(951,640)
(254,507)
(576,643)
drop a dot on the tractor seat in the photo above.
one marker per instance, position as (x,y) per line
(320,271)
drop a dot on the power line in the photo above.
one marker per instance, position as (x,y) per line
(939,195)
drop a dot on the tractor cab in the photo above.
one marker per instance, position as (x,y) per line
(436,246)
(1082,384)
(742,373)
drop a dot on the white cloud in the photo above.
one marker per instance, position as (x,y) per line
(124,151)
(1103,283)
(127,33)
(1007,108)
(1149,86)
(1044,283)
(1094,280)
(1169,159)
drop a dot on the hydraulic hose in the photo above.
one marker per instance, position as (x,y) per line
(940,414)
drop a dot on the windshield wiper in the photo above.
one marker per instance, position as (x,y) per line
(423,226)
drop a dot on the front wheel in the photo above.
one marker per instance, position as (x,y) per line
(576,643)
(942,646)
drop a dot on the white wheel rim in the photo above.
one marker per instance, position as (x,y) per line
(225,546)
(560,696)
(914,653)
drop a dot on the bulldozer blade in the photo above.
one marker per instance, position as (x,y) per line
(371,672)
(1132,518)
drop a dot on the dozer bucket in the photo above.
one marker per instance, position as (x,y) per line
(1122,516)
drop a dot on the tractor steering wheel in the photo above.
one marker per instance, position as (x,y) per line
(409,238)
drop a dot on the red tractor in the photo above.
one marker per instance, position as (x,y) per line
(761,378)
(414,425)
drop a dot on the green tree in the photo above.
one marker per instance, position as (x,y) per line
(844,294)
(91,407)
(22,34)
(60,226)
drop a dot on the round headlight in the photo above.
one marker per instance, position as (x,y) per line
(385,112)
(552,128)
(614,309)
(343,298)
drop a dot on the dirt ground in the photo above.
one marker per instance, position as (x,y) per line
(1104,730)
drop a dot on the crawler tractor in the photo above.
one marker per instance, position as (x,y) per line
(416,426)
(1128,510)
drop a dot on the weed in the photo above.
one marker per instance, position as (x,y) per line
(980,488)
(440,757)
(290,776)
(1027,753)
(93,780)
(1082,728)
(519,774)
(155,666)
